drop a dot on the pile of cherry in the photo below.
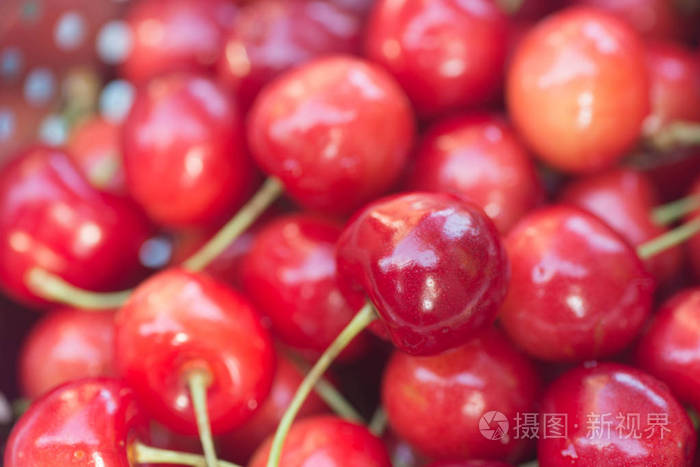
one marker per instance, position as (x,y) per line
(325,233)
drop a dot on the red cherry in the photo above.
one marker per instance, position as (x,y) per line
(184,131)
(669,348)
(178,322)
(19,121)
(578,290)
(433,266)
(242,442)
(674,73)
(624,198)
(450,392)
(653,428)
(479,158)
(290,275)
(66,345)
(446,54)
(322,130)
(82,423)
(271,36)
(469,463)
(95,148)
(175,35)
(327,441)
(51,218)
(571,78)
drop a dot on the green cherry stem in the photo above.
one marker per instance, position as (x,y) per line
(52,287)
(143,454)
(361,320)
(669,239)
(198,381)
(677,134)
(674,210)
(510,6)
(378,423)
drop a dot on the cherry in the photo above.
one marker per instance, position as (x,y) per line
(327,441)
(51,218)
(433,265)
(674,73)
(271,36)
(624,198)
(479,157)
(82,423)
(19,120)
(446,54)
(578,290)
(448,394)
(66,345)
(668,349)
(652,428)
(95,148)
(290,274)
(175,35)
(185,131)
(469,463)
(240,443)
(322,130)
(581,69)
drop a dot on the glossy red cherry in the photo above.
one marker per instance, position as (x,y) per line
(177,322)
(66,345)
(570,79)
(327,441)
(479,158)
(95,148)
(271,36)
(674,73)
(578,290)
(614,415)
(450,392)
(323,130)
(175,35)
(82,423)
(51,218)
(185,132)
(446,54)
(240,443)
(669,348)
(290,274)
(624,199)
(433,266)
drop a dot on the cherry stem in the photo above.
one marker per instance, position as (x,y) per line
(669,239)
(510,6)
(378,423)
(677,134)
(198,382)
(52,287)
(265,196)
(361,320)
(142,454)
(670,212)
(328,393)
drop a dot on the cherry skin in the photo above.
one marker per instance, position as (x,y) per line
(578,290)
(95,148)
(570,79)
(323,130)
(271,36)
(669,347)
(175,35)
(432,264)
(290,274)
(240,444)
(66,345)
(469,463)
(177,322)
(674,73)
(591,397)
(82,423)
(185,132)
(479,158)
(623,199)
(424,396)
(327,441)
(446,54)
(51,218)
